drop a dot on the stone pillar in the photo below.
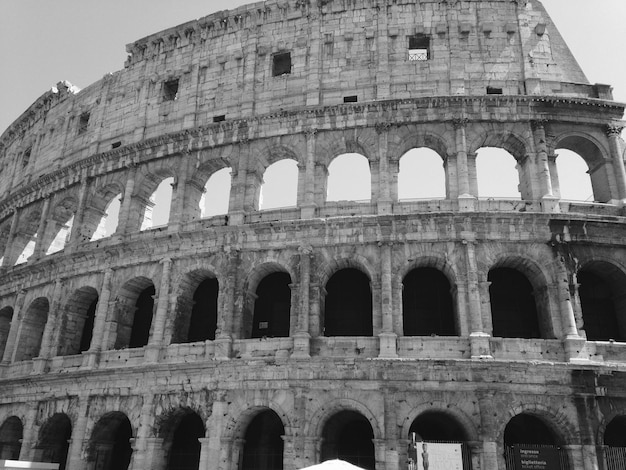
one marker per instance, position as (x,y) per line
(554,176)
(392,454)
(223,335)
(387,337)
(156,338)
(574,344)
(205,457)
(489,456)
(48,349)
(123,225)
(154,456)
(212,451)
(617,155)
(74,460)
(384,202)
(29,439)
(380,453)
(465,198)
(302,337)
(77,226)
(141,450)
(479,340)
(7,258)
(16,321)
(177,212)
(41,231)
(542,165)
(236,210)
(307,210)
(102,311)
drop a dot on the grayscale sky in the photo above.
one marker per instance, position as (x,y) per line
(43,41)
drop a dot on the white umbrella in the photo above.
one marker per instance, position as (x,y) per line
(333,465)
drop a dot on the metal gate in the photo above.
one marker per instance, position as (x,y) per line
(465,454)
(615,458)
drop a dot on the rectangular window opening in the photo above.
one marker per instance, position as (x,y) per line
(170,90)
(281,64)
(26,156)
(350,99)
(83,123)
(419,48)
(115,145)
(494,91)
(220,118)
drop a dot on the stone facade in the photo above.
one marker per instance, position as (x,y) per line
(105,362)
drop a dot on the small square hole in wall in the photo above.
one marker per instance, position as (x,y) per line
(494,91)
(419,48)
(281,64)
(170,90)
(115,145)
(83,123)
(350,99)
(219,118)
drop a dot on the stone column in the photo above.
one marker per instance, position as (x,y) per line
(384,202)
(574,344)
(465,198)
(102,311)
(236,210)
(16,321)
(29,439)
(307,210)
(74,460)
(542,165)
(7,258)
(77,226)
(489,457)
(178,213)
(48,349)
(380,453)
(123,226)
(554,176)
(205,461)
(212,446)
(479,340)
(387,337)
(156,339)
(302,337)
(224,333)
(617,155)
(141,450)
(41,231)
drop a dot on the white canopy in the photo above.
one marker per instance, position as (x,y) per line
(333,465)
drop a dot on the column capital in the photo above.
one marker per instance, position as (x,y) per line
(382,127)
(460,122)
(613,130)
(305,250)
(537,124)
(311,131)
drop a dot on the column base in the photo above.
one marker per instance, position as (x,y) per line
(301,346)
(467,203)
(308,211)
(91,359)
(223,347)
(388,345)
(236,218)
(575,350)
(479,346)
(152,354)
(550,205)
(384,207)
(40,365)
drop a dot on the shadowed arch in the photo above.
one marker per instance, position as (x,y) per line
(180,431)
(78,321)
(196,307)
(11,433)
(33,325)
(53,442)
(134,312)
(109,447)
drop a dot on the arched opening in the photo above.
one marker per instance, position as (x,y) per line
(53,442)
(28,250)
(109,220)
(11,433)
(26,236)
(348,436)
(527,437)
(263,447)
(109,447)
(134,315)
(574,179)
(197,304)
(436,437)
(280,185)
(62,237)
(214,200)
(349,178)
(427,307)
(348,304)
(157,211)
(421,175)
(33,324)
(272,306)
(513,307)
(78,325)
(602,293)
(6,316)
(615,444)
(184,453)
(497,174)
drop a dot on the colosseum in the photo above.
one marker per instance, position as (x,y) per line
(153,318)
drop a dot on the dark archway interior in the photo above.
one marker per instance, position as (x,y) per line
(6,316)
(34,324)
(142,321)
(53,443)
(185,451)
(263,448)
(86,335)
(11,433)
(513,306)
(528,429)
(615,432)
(272,306)
(598,307)
(427,307)
(109,446)
(348,306)
(203,321)
(348,436)
(437,426)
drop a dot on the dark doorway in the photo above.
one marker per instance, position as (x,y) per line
(263,448)
(87,333)
(203,321)
(142,320)
(11,433)
(528,429)
(109,447)
(53,443)
(598,307)
(348,436)
(513,307)
(427,307)
(348,306)
(185,451)
(437,426)
(272,307)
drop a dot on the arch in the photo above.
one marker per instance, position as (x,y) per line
(272,306)
(196,307)
(280,185)
(33,324)
(513,143)
(53,442)
(352,168)
(497,161)
(77,325)
(109,446)
(26,236)
(421,175)
(349,436)
(180,434)
(60,224)
(11,433)
(264,448)
(438,425)
(529,428)
(602,294)
(574,182)
(101,215)
(156,211)
(410,137)
(216,194)
(135,305)
(348,304)
(6,317)
(109,220)
(427,304)
(615,432)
